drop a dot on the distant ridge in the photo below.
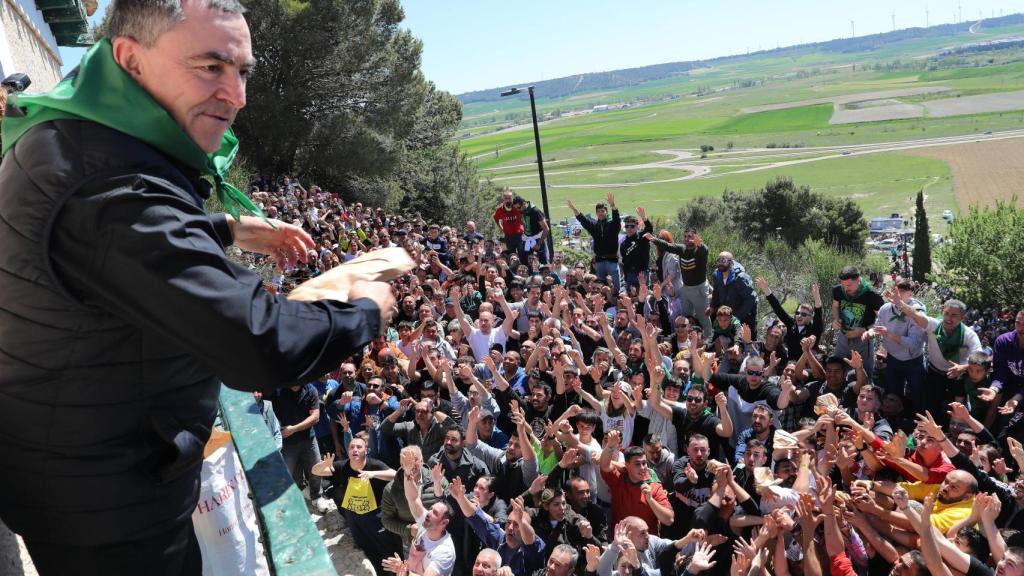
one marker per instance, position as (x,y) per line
(569,85)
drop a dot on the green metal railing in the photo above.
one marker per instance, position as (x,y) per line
(290,539)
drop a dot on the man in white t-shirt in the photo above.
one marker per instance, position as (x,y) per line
(481,338)
(432,552)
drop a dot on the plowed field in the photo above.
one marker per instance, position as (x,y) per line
(983,172)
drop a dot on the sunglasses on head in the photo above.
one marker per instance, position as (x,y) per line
(755,372)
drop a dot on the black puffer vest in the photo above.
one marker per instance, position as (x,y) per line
(102,422)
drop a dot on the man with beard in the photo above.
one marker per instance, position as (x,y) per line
(517,545)
(806,322)
(604,229)
(691,480)
(395,513)
(735,289)
(714,515)
(751,387)
(423,431)
(530,304)
(635,248)
(954,499)
(950,344)
(693,266)
(556,523)
(514,468)
(365,414)
(697,418)
(510,219)
(581,501)
(761,429)
(455,461)
(432,552)
(359,488)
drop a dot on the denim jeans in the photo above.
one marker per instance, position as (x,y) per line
(605,268)
(906,378)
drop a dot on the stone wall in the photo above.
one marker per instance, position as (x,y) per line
(26,49)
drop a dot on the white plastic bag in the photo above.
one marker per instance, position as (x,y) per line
(225,520)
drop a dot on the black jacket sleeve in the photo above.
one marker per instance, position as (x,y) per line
(147,253)
(780,311)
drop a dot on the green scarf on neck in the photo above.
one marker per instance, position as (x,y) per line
(731,330)
(863,288)
(950,345)
(103,93)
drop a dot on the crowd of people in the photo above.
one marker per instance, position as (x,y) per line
(639,412)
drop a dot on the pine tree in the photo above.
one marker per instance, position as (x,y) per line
(922,241)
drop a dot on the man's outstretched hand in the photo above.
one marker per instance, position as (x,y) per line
(287,245)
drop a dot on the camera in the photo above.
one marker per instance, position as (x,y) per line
(17,82)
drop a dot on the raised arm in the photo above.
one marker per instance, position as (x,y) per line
(412,495)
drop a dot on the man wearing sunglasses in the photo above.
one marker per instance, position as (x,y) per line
(635,249)
(734,288)
(752,387)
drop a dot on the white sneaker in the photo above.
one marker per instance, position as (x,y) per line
(323,505)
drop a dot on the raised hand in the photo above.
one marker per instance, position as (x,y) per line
(586,530)
(1009,408)
(395,564)
(648,236)
(436,473)
(986,394)
(702,559)
(746,334)
(991,510)
(762,285)
(457,488)
(569,458)
(593,554)
(342,421)
(855,361)
(1016,449)
(958,411)
(901,498)
(691,474)
(927,422)
(537,486)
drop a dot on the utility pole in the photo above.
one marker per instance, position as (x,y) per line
(853,33)
(959,12)
(926,21)
(893,20)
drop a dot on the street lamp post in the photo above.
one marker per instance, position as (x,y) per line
(540,162)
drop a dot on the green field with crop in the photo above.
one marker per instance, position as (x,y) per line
(669,140)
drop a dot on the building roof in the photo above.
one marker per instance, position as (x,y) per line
(67,20)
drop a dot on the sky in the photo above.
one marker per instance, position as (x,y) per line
(481,44)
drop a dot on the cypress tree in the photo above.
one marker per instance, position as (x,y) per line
(922,241)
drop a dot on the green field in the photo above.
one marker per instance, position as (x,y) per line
(625,151)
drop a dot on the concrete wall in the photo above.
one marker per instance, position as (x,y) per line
(27,47)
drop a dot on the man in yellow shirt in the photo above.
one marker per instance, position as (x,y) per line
(954,498)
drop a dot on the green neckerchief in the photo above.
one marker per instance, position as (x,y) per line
(731,330)
(863,288)
(950,345)
(103,93)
